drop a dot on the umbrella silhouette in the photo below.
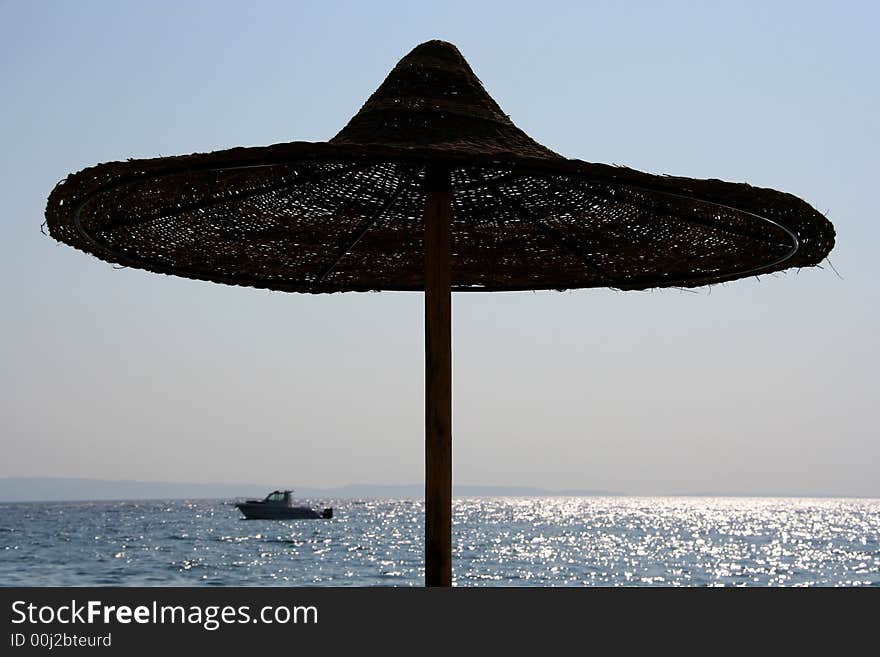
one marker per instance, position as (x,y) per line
(430,187)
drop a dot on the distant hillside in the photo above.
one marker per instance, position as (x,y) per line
(50,489)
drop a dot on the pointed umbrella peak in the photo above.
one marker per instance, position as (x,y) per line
(433,100)
(437,48)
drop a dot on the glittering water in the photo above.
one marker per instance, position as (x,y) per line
(554,541)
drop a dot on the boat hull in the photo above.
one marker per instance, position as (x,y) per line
(272,512)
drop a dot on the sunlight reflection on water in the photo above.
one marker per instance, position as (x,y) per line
(554,541)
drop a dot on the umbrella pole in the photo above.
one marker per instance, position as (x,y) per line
(438,379)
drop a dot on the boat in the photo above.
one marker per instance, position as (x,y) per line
(278,505)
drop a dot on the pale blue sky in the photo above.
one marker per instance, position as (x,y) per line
(754,386)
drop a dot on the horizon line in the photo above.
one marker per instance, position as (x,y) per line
(524,490)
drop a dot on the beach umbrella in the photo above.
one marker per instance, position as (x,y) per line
(429,187)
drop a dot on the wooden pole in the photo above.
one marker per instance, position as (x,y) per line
(438,379)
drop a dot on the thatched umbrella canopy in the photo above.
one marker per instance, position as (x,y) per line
(429,187)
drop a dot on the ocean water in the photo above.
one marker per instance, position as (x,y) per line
(555,541)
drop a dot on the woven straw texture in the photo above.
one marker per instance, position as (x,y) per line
(347,215)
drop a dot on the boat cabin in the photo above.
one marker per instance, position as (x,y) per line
(278,497)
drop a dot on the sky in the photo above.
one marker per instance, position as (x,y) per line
(758,386)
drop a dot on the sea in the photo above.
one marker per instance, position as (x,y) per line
(497,541)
